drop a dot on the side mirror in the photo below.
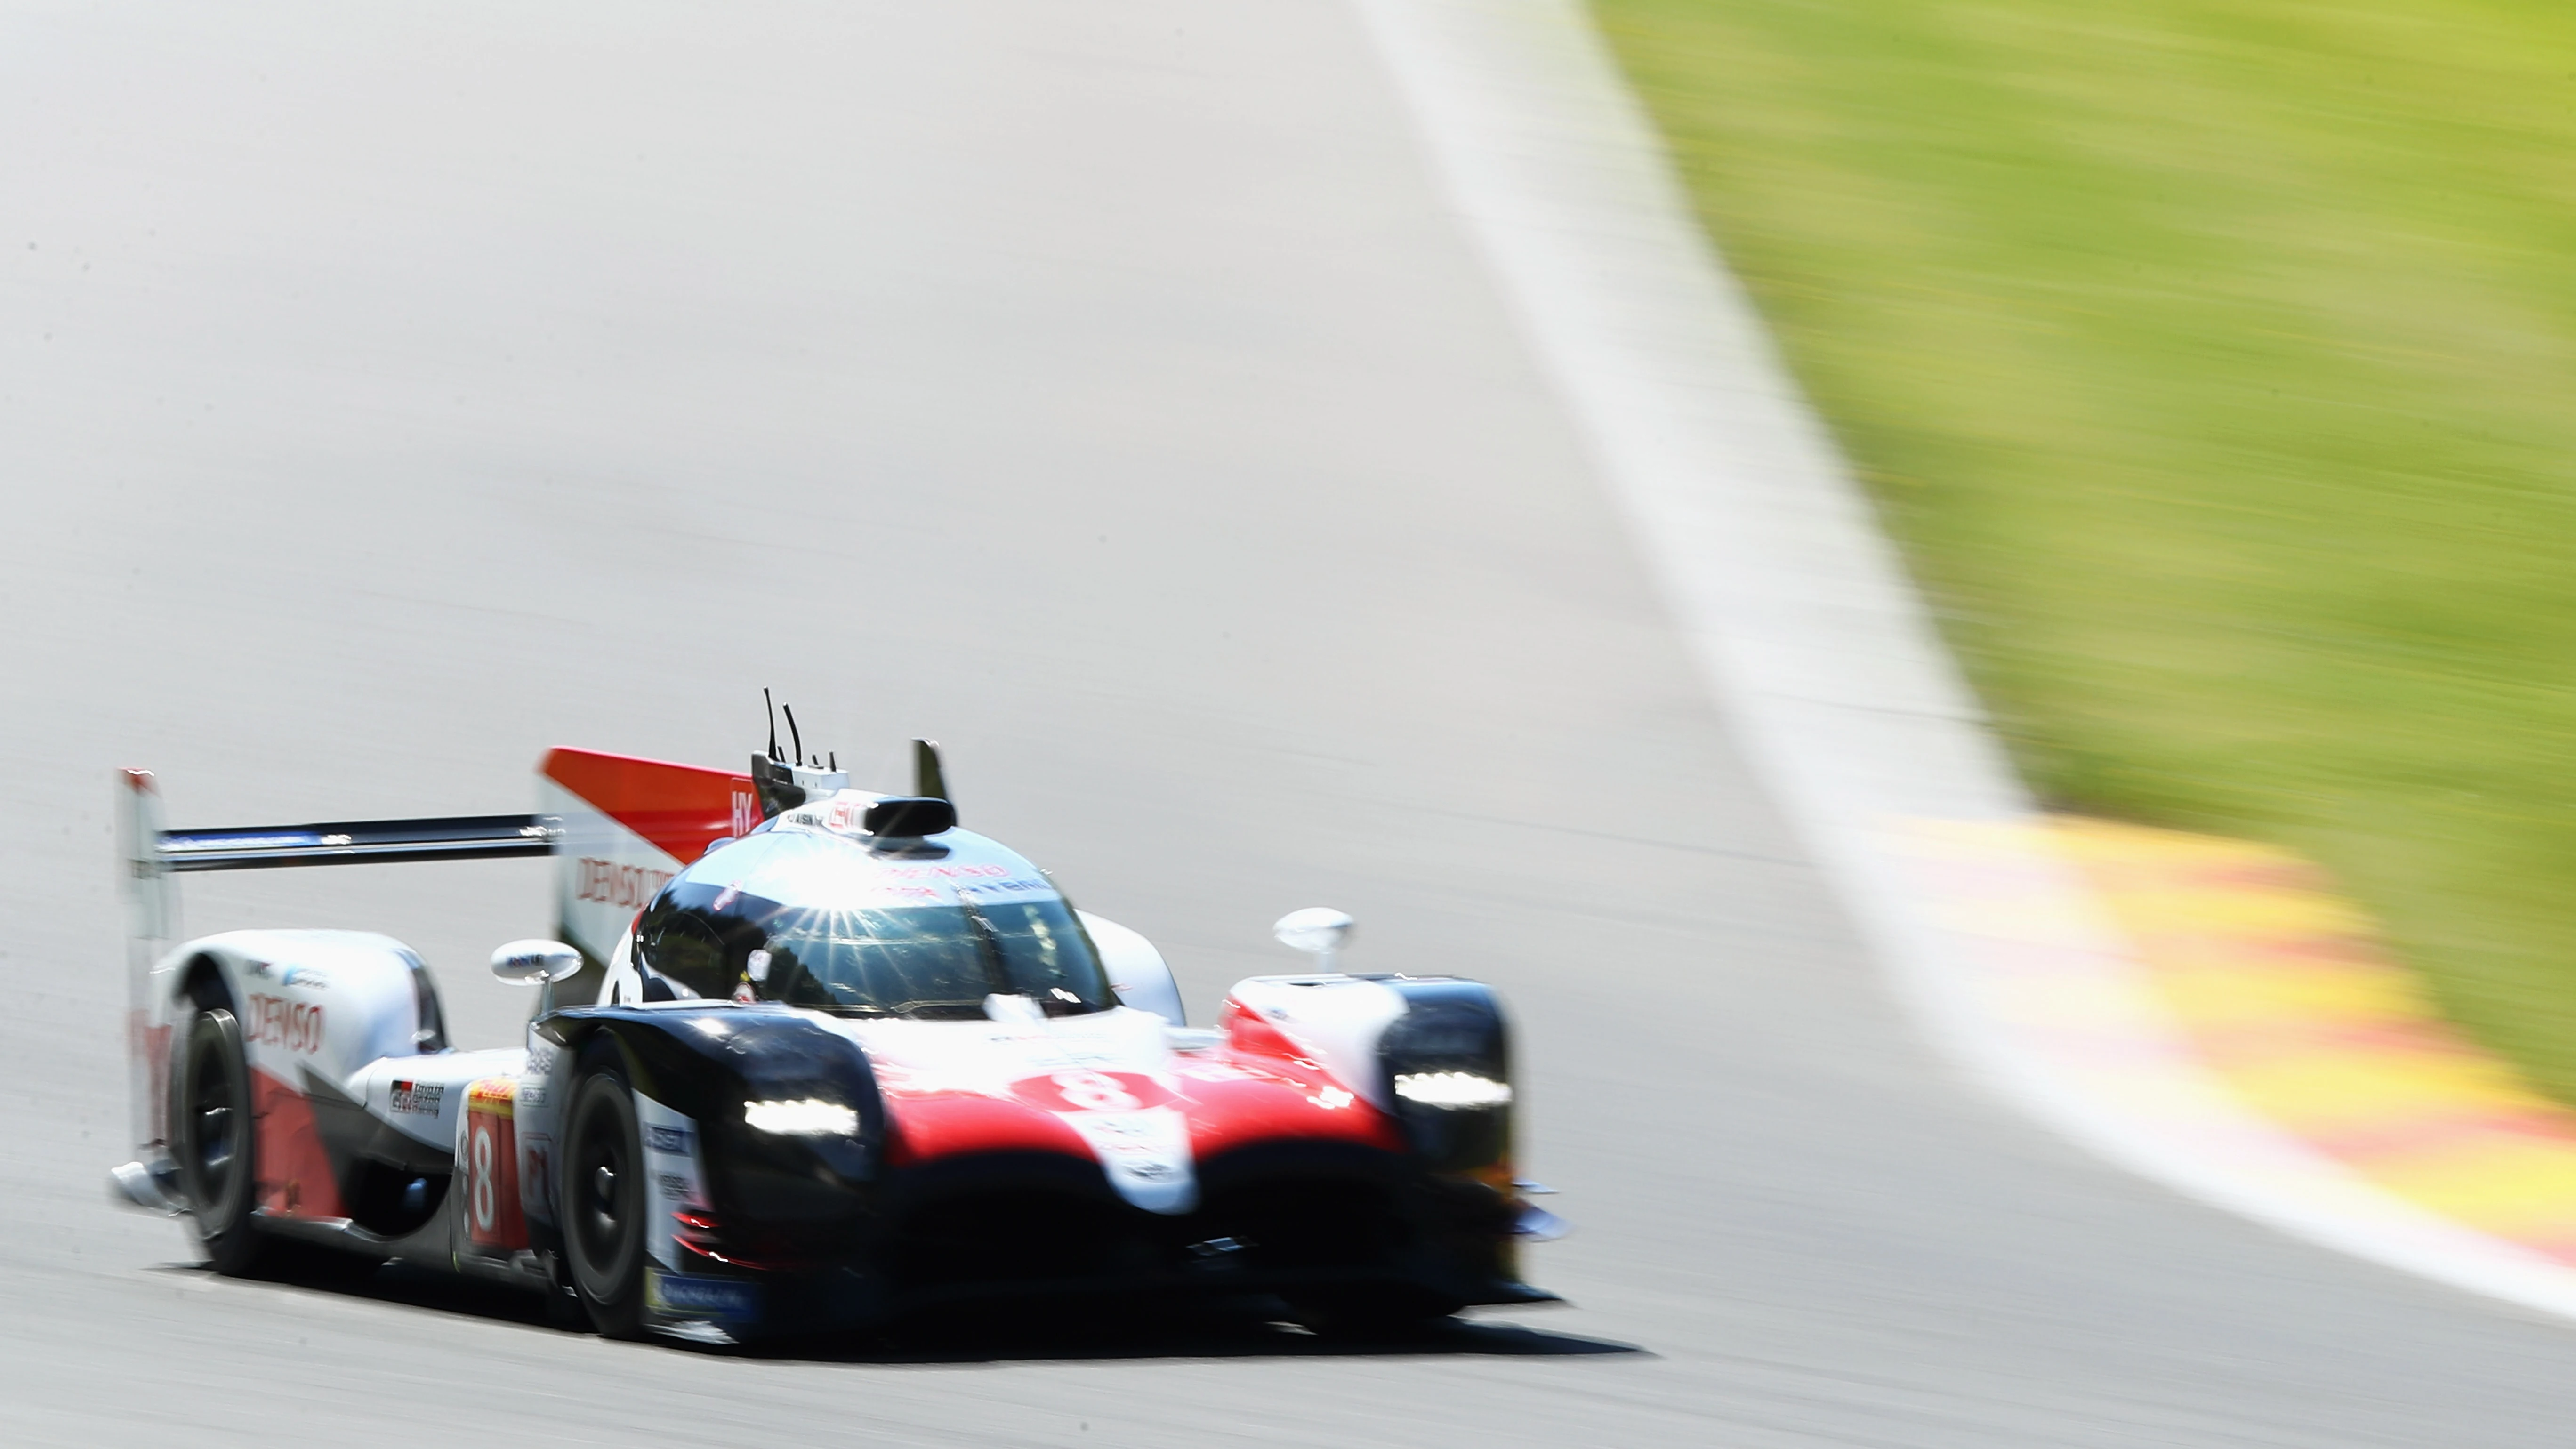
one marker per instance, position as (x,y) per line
(532,963)
(1319,929)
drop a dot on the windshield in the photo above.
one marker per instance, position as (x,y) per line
(939,961)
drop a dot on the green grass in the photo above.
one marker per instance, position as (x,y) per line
(2216,364)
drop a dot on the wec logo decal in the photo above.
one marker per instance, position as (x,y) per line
(278,1022)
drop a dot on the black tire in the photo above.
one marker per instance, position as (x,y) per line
(212,1135)
(603,1199)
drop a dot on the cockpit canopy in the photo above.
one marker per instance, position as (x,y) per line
(811,911)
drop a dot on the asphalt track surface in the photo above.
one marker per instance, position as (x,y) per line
(1103,390)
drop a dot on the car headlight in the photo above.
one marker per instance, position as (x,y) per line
(1452,1089)
(805,1117)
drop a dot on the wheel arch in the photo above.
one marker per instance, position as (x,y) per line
(692,1061)
(708,1076)
(205,985)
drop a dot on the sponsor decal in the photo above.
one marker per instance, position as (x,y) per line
(673,1140)
(727,896)
(1049,1056)
(946,872)
(540,1180)
(720,1298)
(629,887)
(888,893)
(1146,1155)
(278,1022)
(419,1098)
(497,1095)
(746,810)
(1004,887)
(674,1185)
(304,976)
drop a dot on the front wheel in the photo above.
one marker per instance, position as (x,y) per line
(603,1204)
(211,1136)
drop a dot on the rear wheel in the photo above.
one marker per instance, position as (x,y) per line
(603,1204)
(211,1136)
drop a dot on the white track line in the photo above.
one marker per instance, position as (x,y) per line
(1817,648)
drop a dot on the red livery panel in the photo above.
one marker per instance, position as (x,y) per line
(680,808)
(951,1124)
(1248,1034)
(1236,1107)
(295,1178)
(1227,1104)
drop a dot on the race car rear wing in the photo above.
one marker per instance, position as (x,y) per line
(152,854)
(355,842)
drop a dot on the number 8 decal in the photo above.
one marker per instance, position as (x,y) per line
(1094,1092)
(485,1194)
(490,1166)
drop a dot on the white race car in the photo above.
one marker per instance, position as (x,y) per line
(807,1057)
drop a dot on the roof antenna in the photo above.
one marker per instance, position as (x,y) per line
(773,722)
(836,761)
(796,741)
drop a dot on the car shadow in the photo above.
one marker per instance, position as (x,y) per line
(394,1283)
(1247,1329)
(1247,1332)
